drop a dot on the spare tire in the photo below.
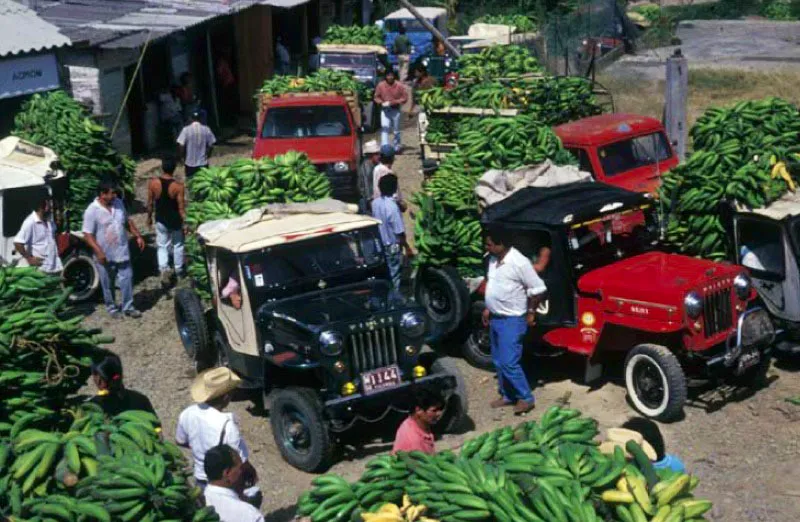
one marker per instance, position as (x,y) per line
(445,297)
(191,321)
(80,274)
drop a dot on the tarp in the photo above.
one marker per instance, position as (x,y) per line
(497,185)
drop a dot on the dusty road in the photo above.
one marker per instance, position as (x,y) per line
(743,446)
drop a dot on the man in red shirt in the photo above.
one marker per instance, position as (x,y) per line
(415,433)
(391,95)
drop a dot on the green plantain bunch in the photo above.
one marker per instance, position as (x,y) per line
(498,61)
(84,148)
(520,23)
(745,154)
(319,81)
(354,35)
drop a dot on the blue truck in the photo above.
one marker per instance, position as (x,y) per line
(421,39)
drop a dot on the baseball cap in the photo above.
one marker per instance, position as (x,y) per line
(387,150)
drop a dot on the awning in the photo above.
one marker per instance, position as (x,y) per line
(23,31)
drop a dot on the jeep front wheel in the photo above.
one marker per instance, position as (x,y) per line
(655,382)
(445,297)
(80,274)
(192,327)
(477,349)
(457,407)
(300,430)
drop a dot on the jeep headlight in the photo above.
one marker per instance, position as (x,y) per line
(742,284)
(340,166)
(331,343)
(412,324)
(693,304)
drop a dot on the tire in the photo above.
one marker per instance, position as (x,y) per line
(192,327)
(457,409)
(476,348)
(300,430)
(445,297)
(216,356)
(655,382)
(755,377)
(80,273)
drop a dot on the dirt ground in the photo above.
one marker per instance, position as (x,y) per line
(743,446)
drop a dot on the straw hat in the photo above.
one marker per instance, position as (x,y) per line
(214,383)
(371,147)
(620,436)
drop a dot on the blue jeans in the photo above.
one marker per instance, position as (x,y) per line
(390,122)
(506,335)
(167,240)
(119,273)
(394,258)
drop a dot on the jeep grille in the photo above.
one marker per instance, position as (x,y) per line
(717,311)
(373,349)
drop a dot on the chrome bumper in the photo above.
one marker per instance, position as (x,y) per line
(754,332)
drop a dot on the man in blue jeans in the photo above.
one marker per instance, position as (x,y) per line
(513,290)
(105,230)
(392,229)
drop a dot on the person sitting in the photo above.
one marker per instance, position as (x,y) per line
(232,293)
(416,432)
(225,472)
(112,396)
(652,435)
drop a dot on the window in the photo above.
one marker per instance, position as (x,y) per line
(412,25)
(640,151)
(761,247)
(583,160)
(306,122)
(17,205)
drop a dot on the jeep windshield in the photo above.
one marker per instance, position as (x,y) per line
(602,241)
(319,121)
(640,151)
(282,270)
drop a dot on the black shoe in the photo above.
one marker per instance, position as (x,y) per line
(115,314)
(133,313)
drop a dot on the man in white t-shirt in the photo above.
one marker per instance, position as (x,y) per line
(513,291)
(36,239)
(225,471)
(195,144)
(383,168)
(205,425)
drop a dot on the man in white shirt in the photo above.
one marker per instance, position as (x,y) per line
(204,425)
(224,469)
(513,290)
(382,169)
(36,239)
(195,143)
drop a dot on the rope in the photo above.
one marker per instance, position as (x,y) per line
(130,85)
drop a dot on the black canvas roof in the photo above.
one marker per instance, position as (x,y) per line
(553,206)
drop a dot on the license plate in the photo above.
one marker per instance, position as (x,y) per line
(748,360)
(380,379)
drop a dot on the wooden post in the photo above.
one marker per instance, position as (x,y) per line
(675,102)
(213,84)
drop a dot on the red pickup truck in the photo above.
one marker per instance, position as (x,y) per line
(325,126)
(627,150)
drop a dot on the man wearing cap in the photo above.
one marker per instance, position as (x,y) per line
(204,425)
(384,168)
(365,170)
(195,144)
(104,229)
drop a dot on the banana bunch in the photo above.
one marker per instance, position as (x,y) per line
(669,500)
(227,191)
(28,286)
(498,61)
(444,128)
(408,512)
(521,23)
(354,35)
(138,487)
(747,154)
(332,498)
(320,81)
(62,508)
(84,148)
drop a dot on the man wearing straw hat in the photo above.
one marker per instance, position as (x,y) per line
(204,425)
(372,155)
(646,434)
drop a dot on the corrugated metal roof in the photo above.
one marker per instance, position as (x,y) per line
(23,31)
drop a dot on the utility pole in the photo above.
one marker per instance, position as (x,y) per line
(430,27)
(675,100)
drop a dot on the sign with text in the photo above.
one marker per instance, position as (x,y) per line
(28,74)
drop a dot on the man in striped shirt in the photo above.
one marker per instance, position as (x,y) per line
(194,145)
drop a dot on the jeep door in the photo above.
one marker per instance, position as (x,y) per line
(763,246)
(234,313)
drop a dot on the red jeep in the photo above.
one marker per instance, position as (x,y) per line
(325,126)
(612,296)
(627,150)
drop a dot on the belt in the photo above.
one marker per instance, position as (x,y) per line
(499,316)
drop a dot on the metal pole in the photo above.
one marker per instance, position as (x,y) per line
(213,85)
(675,99)
(430,27)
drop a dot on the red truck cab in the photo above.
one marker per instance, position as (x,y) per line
(627,150)
(323,126)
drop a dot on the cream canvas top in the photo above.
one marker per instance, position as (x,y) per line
(283,223)
(23,164)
